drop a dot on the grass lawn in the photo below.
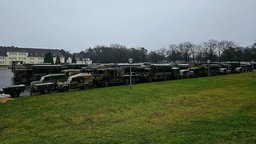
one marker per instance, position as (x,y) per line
(221,109)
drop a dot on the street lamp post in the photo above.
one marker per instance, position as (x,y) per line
(209,73)
(130,62)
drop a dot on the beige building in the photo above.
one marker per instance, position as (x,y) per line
(8,55)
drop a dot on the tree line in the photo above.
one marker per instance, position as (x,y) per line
(114,53)
(187,52)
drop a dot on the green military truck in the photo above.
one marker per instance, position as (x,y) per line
(105,76)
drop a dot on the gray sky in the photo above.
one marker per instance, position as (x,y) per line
(75,25)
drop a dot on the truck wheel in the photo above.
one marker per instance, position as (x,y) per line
(66,89)
(81,88)
(105,83)
(150,79)
(47,91)
(15,94)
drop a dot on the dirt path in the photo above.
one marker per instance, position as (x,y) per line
(4,100)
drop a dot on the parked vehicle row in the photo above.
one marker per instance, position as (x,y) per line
(103,75)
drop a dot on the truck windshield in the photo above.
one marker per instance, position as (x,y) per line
(42,78)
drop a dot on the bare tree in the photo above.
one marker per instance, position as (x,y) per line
(224,45)
(173,52)
(210,48)
(185,50)
(200,55)
(193,52)
(162,52)
(232,54)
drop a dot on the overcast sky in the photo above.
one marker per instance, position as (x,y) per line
(75,25)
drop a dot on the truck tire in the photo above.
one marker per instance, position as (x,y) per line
(47,91)
(150,79)
(82,87)
(66,89)
(15,94)
(86,87)
(105,83)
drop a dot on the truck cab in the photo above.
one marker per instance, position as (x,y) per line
(78,81)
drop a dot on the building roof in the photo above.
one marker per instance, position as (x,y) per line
(33,52)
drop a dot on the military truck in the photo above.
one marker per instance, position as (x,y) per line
(24,74)
(161,72)
(13,91)
(78,81)
(198,71)
(105,76)
(47,83)
(184,71)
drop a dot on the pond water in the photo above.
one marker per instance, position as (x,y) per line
(5,79)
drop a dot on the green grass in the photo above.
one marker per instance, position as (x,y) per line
(221,109)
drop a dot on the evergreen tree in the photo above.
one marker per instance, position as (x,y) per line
(48,58)
(73,59)
(57,60)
